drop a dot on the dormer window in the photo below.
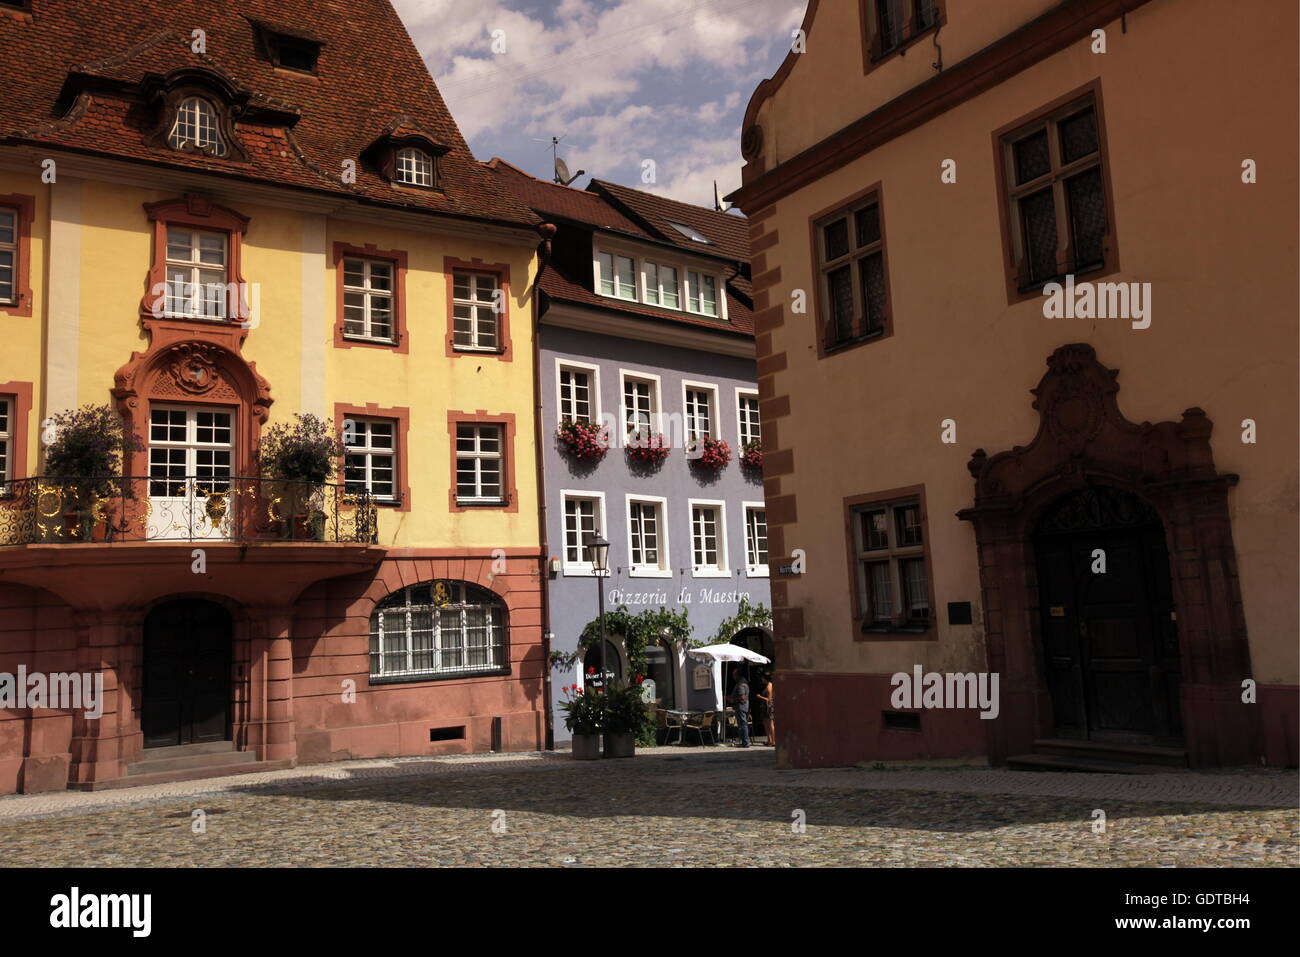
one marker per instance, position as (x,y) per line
(293,53)
(414,167)
(196,128)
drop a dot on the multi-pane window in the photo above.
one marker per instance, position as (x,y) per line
(576,395)
(196,125)
(196,274)
(370,457)
(645,528)
(899,20)
(851,253)
(414,167)
(661,286)
(699,413)
(368,299)
(756,540)
(701,293)
(435,629)
(190,446)
(640,404)
(1057,194)
(889,544)
(479,458)
(708,542)
(751,429)
(617,275)
(475,311)
(6,440)
(581,521)
(8,256)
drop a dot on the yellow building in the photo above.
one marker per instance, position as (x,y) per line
(213,229)
(953,206)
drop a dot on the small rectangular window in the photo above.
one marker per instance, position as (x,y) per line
(368,299)
(576,395)
(640,404)
(851,260)
(708,539)
(756,541)
(197,286)
(750,427)
(475,312)
(1054,182)
(370,457)
(893,588)
(8,256)
(645,532)
(581,521)
(6,440)
(479,464)
(699,413)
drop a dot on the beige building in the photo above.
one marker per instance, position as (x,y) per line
(1026,307)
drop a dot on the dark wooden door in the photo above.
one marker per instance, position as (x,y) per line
(1110,643)
(186,695)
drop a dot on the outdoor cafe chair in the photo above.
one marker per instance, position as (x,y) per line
(702,722)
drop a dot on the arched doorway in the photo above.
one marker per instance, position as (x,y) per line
(1109,639)
(186,693)
(591,673)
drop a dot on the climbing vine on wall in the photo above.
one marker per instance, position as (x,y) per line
(638,632)
(747,615)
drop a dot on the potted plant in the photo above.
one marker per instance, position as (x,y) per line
(84,464)
(647,448)
(582,716)
(584,440)
(302,455)
(706,452)
(751,455)
(628,720)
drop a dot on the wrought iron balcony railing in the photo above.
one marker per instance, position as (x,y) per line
(178,508)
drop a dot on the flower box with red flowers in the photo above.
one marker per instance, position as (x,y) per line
(582,439)
(709,453)
(648,447)
(751,455)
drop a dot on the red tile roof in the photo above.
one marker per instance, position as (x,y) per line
(598,209)
(370,80)
(728,235)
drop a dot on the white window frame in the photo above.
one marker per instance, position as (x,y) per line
(593,371)
(478,456)
(475,305)
(369,451)
(741,437)
(693,304)
(583,568)
(756,571)
(413,166)
(367,294)
(12,250)
(195,303)
(214,144)
(664,568)
(723,568)
(614,256)
(656,398)
(715,426)
(191,445)
(8,406)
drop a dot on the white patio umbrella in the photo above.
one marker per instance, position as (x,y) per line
(727,652)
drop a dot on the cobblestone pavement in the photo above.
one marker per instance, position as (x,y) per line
(669,806)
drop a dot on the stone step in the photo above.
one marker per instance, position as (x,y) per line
(187,774)
(185,750)
(217,760)
(1055,762)
(1109,751)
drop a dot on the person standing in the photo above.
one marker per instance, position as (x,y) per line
(769,708)
(740,698)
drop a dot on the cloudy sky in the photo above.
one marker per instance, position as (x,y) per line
(622,81)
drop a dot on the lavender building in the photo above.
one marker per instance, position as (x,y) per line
(646,327)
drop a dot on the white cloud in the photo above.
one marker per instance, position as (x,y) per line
(623,80)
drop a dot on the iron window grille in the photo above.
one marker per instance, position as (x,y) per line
(437,630)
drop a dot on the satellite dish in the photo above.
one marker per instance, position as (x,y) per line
(562,172)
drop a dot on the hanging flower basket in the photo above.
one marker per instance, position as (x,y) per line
(583,440)
(751,455)
(648,447)
(711,454)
